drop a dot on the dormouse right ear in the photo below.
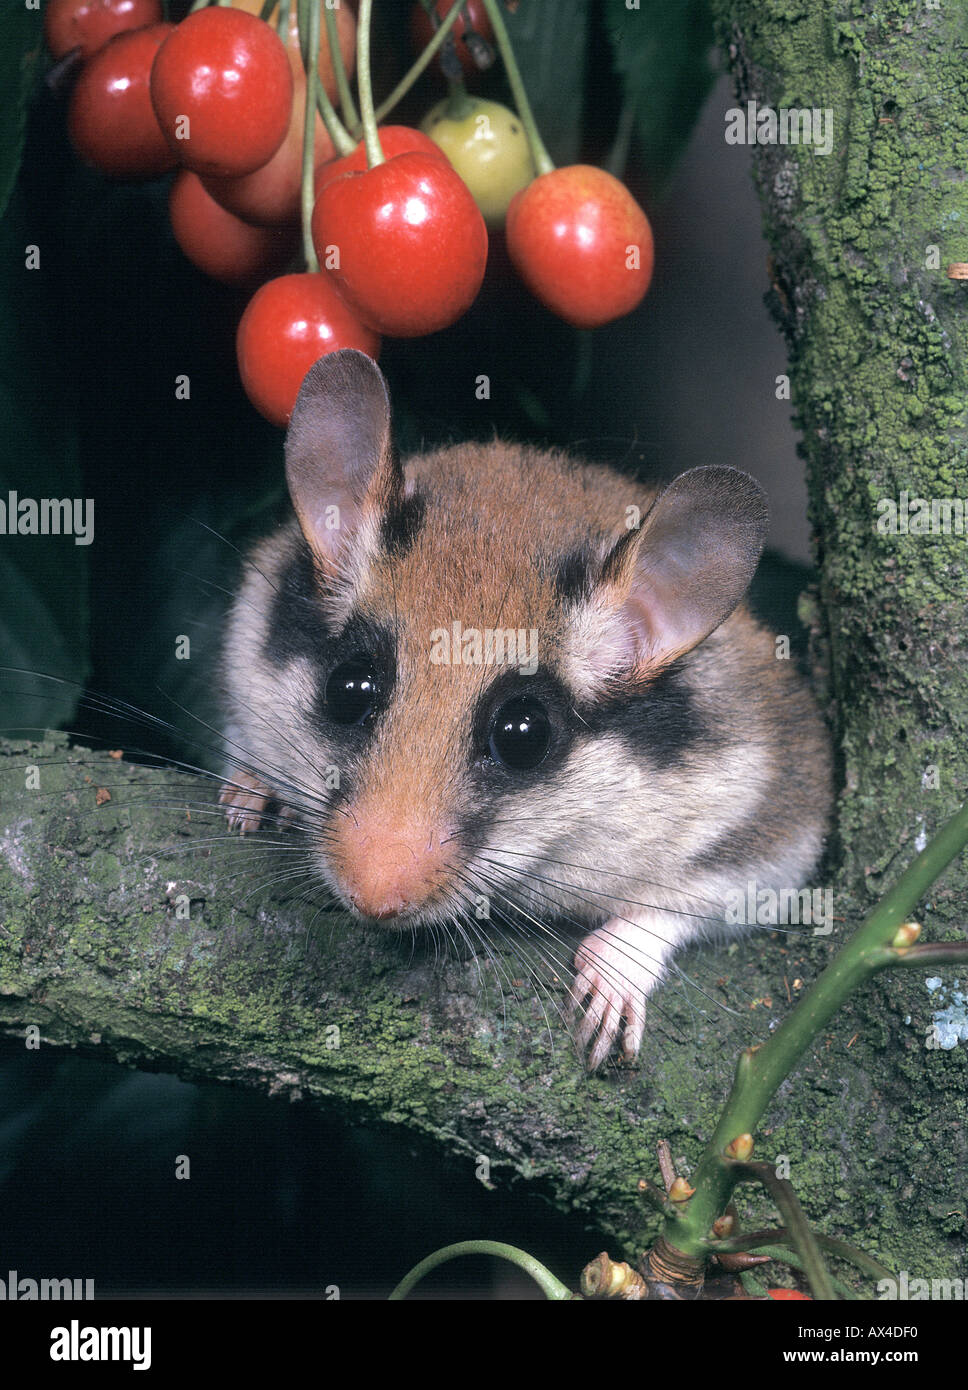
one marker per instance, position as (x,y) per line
(663,588)
(343,472)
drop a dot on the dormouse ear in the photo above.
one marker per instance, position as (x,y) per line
(341,467)
(668,584)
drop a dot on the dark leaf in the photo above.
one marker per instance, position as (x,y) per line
(20,50)
(662,55)
(43,578)
(550,41)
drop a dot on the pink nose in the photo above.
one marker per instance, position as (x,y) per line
(385,865)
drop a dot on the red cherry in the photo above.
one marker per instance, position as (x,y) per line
(783,1295)
(222,91)
(581,244)
(288,325)
(217,242)
(88,24)
(404,242)
(270,196)
(474,18)
(394,140)
(110,121)
(345,32)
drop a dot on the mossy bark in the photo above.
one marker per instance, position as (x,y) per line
(861,243)
(861,239)
(256,987)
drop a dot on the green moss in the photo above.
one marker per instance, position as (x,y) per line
(878,340)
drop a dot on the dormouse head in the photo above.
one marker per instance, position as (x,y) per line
(485,643)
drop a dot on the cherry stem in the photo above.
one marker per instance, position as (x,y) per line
(374,151)
(552,1288)
(346,104)
(343,141)
(459,104)
(63,68)
(307,19)
(542,160)
(619,153)
(425,59)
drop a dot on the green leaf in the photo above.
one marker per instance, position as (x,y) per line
(43,578)
(550,39)
(661,53)
(20,51)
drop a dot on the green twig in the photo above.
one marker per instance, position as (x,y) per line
(759,1241)
(551,1287)
(657,1198)
(760,1070)
(934,953)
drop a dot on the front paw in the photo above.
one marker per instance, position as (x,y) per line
(245,799)
(613,976)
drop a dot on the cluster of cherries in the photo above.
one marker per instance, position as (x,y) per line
(398,227)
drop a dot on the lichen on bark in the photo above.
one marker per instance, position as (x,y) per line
(250,988)
(860,243)
(861,240)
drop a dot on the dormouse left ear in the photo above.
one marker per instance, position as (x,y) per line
(667,585)
(341,467)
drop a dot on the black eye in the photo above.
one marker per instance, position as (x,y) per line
(352,691)
(520,734)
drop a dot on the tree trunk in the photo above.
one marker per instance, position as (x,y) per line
(862,239)
(868,244)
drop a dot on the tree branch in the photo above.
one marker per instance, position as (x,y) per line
(257,987)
